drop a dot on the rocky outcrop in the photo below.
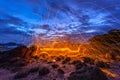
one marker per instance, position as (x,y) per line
(88,73)
(107,43)
(16,57)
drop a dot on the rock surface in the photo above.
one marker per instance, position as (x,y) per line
(88,73)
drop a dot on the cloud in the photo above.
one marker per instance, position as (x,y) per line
(52,17)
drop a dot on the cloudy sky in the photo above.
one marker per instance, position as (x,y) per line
(21,19)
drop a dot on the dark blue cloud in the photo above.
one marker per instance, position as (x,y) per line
(52,17)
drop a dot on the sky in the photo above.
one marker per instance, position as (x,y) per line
(20,20)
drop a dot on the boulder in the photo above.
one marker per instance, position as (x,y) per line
(60,71)
(102,64)
(17,56)
(88,60)
(34,69)
(59,58)
(21,74)
(55,66)
(78,64)
(88,73)
(21,51)
(67,59)
(44,71)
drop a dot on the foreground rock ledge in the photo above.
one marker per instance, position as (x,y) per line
(88,73)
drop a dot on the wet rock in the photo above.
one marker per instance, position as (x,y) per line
(22,74)
(55,66)
(102,64)
(60,71)
(44,71)
(88,73)
(34,69)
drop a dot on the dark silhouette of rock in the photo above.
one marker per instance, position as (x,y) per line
(20,75)
(75,62)
(34,69)
(60,71)
(59,58)
(44,71)
(88,73)
(21,51)
(55,66)
(107,43)
(88,60)
(78,64)
(102,64)
(19,63)
(16,57)
(67,59)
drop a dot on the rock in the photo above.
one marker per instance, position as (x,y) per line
(18,51)
(43,56)
(34,69)
(22,74)
(108,56)
(35,57)
(78,64)
(21,52)
(16,57)
(111,56)
(88,73)
(44,71)
(55,66)
(60,71)
(88,60)
(75,62)
(19,63)
(59,58)
(102,64)
(67,59)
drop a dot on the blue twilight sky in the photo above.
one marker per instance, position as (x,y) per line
(21,19)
